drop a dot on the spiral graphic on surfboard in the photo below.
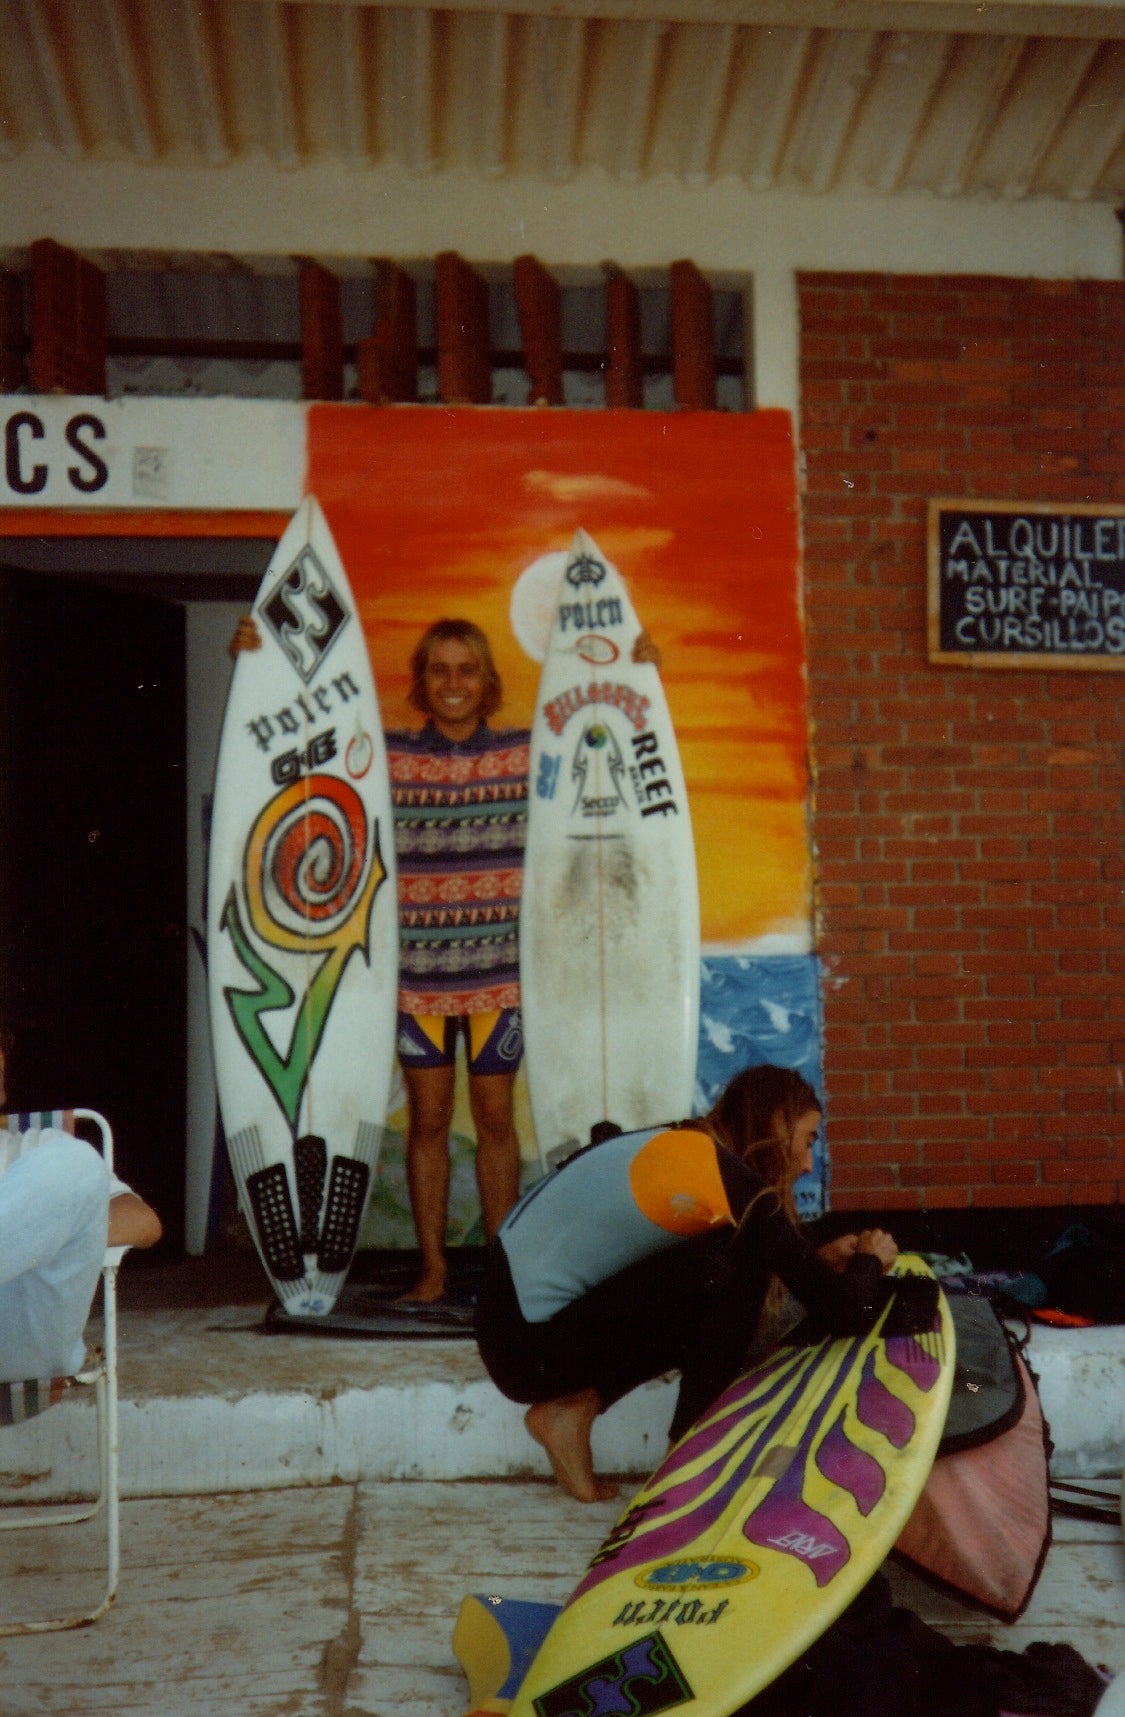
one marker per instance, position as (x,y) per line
(305,862)
(311,872)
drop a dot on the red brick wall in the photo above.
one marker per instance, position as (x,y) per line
(969,825)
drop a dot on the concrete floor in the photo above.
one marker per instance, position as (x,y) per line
(303,1516)
(340,1601)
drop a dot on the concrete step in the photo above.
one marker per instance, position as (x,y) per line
(211,1403)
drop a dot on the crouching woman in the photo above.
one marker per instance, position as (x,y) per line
(659,1250)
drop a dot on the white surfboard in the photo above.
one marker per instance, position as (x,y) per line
(302,924)
(609,919)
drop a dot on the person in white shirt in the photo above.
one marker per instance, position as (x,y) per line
(59,1208)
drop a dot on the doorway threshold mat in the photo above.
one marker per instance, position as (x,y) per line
(375,1314)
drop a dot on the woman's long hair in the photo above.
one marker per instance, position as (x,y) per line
(754,1116)
(463,632)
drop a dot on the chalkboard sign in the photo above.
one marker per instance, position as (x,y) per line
(1024,585)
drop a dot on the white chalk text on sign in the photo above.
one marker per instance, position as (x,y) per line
(1020,585)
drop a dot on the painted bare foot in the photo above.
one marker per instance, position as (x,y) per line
(562,1427)
(429,1287)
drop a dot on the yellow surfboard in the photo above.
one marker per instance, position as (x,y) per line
(756,1531)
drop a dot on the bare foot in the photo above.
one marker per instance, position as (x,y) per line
(429,1287)
(562,1427)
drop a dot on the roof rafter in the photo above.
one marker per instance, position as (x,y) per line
(1103,19)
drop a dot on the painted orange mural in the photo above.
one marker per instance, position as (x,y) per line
(441,511)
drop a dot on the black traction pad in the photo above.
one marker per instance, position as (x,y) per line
(268,1192)
(310,1161)
(343,1208)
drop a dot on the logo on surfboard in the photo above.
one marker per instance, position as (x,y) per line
(585,569)
(682,1576)
(597,751)
(599,651)
(305,613)
(643,1678)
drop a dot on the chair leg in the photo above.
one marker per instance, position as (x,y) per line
(111,1476)
(105,1383)
(19,1518)
(105,1380)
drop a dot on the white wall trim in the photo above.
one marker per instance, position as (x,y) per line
(333,210)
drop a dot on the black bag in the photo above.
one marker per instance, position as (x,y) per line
(988,1391)
(881,1660)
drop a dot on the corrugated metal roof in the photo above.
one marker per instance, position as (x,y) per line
(999,99)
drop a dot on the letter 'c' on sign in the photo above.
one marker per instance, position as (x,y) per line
(21,481)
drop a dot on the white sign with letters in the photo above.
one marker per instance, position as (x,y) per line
(64,451)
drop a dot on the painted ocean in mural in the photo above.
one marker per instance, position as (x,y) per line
(764,1009)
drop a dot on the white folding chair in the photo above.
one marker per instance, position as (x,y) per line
(21,1401)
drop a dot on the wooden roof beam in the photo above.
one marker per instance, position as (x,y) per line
(464,365)
(539,303)
(693,338)
(387,362)
(13,368)
(624,370)
(322,336)
(68,321)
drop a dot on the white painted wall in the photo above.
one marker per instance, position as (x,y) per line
(330,209)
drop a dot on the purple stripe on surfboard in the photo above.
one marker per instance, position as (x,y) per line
(852,1468)
(784,1520)
(653,1539)
(907,1354)
(696,1493)
(645,1540)
(784,1375)
(881,1410)
(667,1538)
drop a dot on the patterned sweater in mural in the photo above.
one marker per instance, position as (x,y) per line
(460,820)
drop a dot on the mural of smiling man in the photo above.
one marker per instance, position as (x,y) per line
(471,513)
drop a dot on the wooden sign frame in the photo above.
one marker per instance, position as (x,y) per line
(1057,599)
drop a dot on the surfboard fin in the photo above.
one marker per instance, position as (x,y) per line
(915,1305)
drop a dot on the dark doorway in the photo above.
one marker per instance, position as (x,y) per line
(92,866)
